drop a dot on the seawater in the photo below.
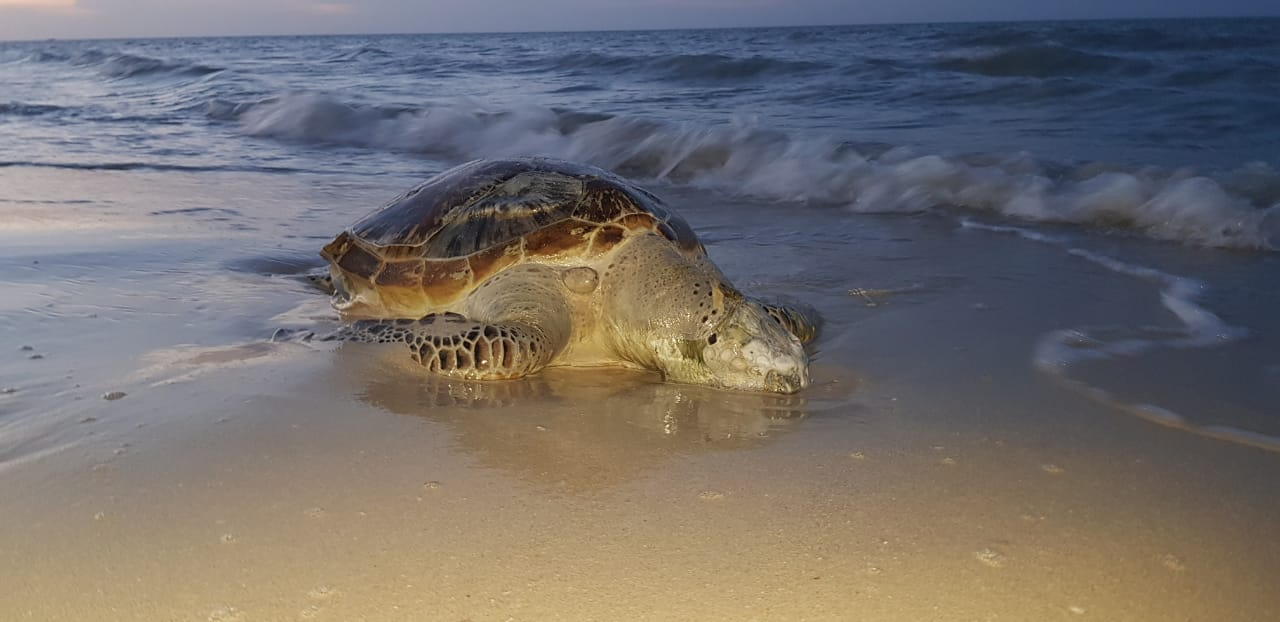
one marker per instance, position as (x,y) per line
(1145,149)
(1166,129)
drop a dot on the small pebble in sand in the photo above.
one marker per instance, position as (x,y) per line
(112,396)
(226,614)
(1173,562)
(948,461)
(990,557)
(26,348)
(227,538)
(710,495)
(857,455)
(432,485)
(100,516)
(8,390)
(1052,469)
(323,592)
(36,357)
(1076,609)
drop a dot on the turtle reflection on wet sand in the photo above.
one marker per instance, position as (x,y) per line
(497,269)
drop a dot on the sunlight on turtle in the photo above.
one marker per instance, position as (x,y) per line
(499,268)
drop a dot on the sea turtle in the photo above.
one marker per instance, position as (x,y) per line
(498,268)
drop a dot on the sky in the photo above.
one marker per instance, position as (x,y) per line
(39,19)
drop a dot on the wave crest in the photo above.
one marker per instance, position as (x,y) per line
(1238,210)
(19,109)
(1042,61)
(124,65)
(681,67)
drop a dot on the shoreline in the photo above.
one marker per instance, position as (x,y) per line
(931,472)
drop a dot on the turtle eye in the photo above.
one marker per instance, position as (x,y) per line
(712,339)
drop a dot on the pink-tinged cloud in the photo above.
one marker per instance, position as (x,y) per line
(324,8)
(40,4)
(332,8)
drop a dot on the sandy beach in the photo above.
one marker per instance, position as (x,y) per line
(161,459)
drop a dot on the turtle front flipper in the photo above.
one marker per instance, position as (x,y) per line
(515,324)
(799,320)
(451,345)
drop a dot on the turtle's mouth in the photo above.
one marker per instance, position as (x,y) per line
(788,380)
(778,382)
(750,351)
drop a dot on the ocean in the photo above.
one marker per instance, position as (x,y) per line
(1165,129)
(1047,256)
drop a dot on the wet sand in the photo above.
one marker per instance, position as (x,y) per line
(931,473)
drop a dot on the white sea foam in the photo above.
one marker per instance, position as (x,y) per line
(1059,351)
(745,159)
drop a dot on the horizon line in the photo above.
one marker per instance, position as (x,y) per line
(672,29)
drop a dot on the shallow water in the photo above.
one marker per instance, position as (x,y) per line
(1010,418)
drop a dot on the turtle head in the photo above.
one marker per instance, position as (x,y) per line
(747,350)
(679,315)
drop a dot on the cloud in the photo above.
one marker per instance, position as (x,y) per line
(326,8)
(40,4)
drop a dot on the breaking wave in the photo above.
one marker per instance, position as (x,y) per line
(1043,61)
(124,65)
(1234,209)
(19,109)
(681,67)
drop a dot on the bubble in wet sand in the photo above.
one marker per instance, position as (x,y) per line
(226,614)
(1173,562)
(990,557)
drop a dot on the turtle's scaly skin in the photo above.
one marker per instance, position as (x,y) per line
(498,268)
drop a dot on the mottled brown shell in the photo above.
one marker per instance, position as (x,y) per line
(457,229)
